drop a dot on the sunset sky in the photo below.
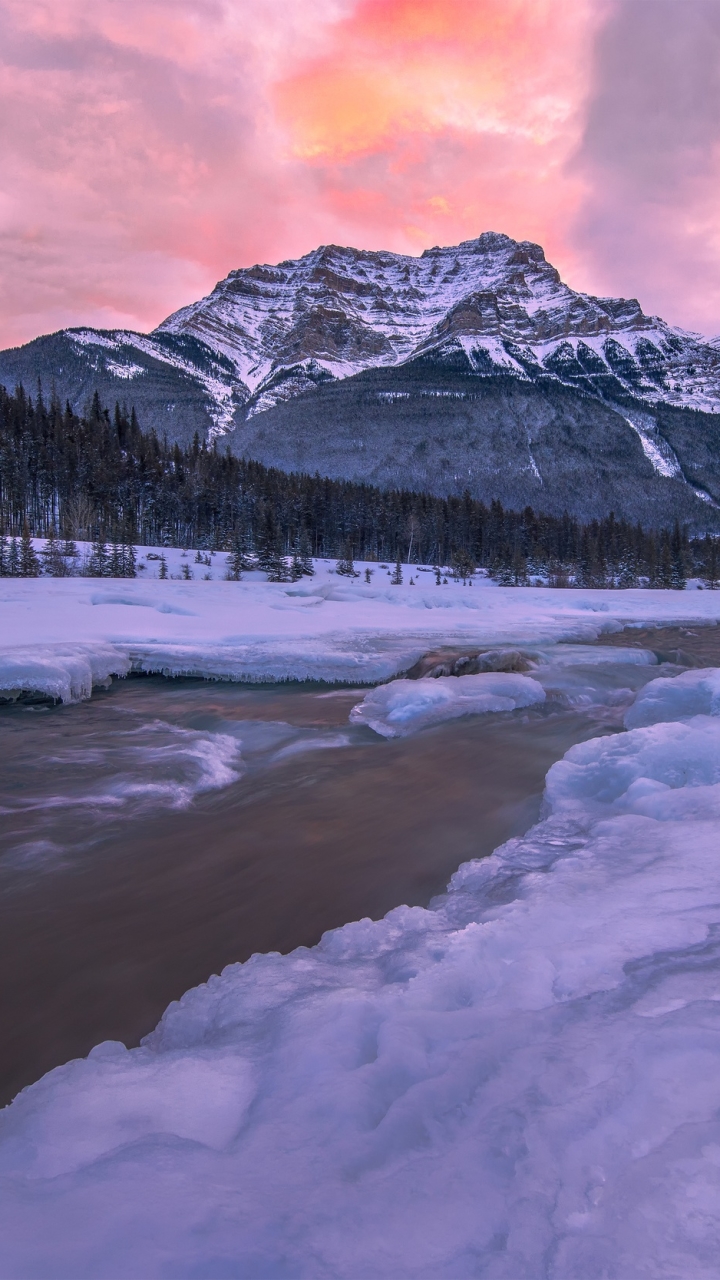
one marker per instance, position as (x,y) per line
(148,147)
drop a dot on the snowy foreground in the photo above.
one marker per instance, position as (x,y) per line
(60,636)
(518,1082)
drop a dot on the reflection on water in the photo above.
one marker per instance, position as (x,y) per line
(167,828)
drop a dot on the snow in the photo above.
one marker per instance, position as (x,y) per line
(256,318)
(518,1081)
(325,628)
(403,706)
(693,693)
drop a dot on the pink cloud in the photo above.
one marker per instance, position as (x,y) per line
(150,146)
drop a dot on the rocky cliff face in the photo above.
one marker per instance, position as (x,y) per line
(471,366)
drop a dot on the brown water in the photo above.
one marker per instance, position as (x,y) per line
(112,905)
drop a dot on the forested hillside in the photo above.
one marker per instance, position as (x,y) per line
(102,478)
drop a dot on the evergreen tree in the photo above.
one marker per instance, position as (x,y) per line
(98,565)
(627,575)
(186,573)
(13,569)
(163,572)
(52,558)
(69,550)
(711,562)
(29,563)
(677,572)
(305,556)
(368,575)
(345,565)
(115,561)
(665,566)
(128,560)
(4,555)
(397,577)
(463,565)
(436,571)
(296,572)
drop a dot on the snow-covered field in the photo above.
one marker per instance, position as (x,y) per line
(61,635)
(519,1081)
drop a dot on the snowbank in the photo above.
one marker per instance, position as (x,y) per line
(519,1081)
(690,694)
(326,628)
(397,709)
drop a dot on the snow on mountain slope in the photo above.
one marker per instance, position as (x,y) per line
(471,367)
(338,311)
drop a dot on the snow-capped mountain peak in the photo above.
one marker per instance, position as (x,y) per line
(337,311)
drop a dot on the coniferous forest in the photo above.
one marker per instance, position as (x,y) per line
(101,478)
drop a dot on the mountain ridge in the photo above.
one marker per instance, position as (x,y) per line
(387,347)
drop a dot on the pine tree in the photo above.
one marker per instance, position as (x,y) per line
(4,554)
(665,567)
(163,573)
(13,569)
(711,562)
(29,563)
(69,550)
(677,573)
(296,572)
(52,559)
(368,575)
(129,560)
(115,563)
(186,572)
(345,565)
(397,577)
(305,557)
(98,564)
(438,578)
(239,561)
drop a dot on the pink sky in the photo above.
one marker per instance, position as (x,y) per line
(151,146)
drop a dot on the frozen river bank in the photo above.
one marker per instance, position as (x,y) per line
(516,1079)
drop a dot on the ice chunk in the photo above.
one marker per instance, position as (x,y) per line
(693,693)
(657,771)
(65,673)
(404,706)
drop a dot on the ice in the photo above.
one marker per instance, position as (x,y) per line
(518,1081)
(692,693)
(397,709)
(66,673)
(662,771)
(325,629)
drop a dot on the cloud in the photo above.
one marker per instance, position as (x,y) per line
(650,159)
(148,147)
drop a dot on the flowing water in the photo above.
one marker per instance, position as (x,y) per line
(165,829)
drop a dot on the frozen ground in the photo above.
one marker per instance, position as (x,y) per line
(60,635)
(520,1081)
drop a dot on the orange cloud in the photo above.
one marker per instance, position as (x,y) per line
(397,66)
(148,147)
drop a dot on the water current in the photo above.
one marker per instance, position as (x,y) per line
(164,829)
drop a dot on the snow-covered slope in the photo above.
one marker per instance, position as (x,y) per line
(338,311)
(471,367)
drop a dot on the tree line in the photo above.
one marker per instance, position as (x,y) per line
(99,477)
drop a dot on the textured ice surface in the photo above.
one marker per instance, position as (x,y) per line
(397,709)
(63,672)
(692,693)
(323,629)
(520,1081)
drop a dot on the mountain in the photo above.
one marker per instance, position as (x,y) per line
(472,367)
